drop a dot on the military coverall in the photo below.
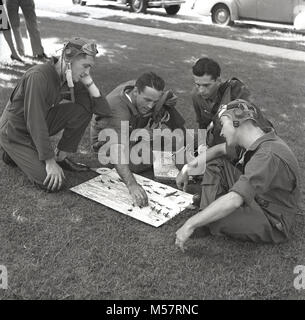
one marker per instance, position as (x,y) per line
(34,113)
(123,110)
(206,109)
(268,181)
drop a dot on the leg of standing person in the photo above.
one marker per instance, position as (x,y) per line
(28,10)
(12,10)
(9,40)
(6,29)
(8,37)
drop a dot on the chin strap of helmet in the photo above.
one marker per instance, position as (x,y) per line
(73,48)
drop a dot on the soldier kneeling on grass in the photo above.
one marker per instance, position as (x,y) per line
(58,95)
(257,199)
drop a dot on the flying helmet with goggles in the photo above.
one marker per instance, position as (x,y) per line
(76,46)
(241,110)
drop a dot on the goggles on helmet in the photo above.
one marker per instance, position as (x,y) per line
(239,110)
(82,46)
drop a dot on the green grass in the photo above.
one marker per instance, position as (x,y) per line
(63,246)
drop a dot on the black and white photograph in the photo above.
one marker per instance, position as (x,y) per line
(152,153)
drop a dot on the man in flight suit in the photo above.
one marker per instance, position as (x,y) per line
(255,200)
(210,92)
(140,103)
(42,104)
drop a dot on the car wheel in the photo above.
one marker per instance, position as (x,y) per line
(221,15)
(172,10)
(81,2)
(138,6)
(299,21)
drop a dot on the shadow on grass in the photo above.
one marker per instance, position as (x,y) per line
(78,14)
(254,34)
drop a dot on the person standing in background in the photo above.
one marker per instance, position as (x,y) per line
(6,29)
(28,10)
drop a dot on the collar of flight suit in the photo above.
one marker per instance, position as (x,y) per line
(270,136)
(51,65)
(127,87)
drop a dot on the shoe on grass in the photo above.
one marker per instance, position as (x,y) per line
(16,58)
(41,57)
(70,165)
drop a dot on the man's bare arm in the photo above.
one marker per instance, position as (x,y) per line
(218,209)
(119,158)
(212,153)
(126,175)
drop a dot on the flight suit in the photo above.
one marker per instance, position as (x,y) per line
(267,178)
(34,113)
(123,110)
(206,109)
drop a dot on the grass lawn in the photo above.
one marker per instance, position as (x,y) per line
(63,246)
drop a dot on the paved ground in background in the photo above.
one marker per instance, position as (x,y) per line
(199,29)
(195,38)
(104,9)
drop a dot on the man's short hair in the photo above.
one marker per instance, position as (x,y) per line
(206,66)
(151,80)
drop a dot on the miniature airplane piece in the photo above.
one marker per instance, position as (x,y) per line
(165,202)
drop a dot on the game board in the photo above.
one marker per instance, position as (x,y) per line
(108,189)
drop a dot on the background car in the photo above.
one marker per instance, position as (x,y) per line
(224,12)
(171,6)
